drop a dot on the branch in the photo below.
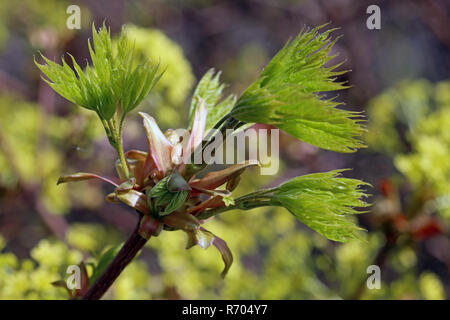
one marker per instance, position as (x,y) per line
(241,205)
(126,254)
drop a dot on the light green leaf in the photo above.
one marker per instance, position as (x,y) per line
(112,80)
(324,202)
(287,95)
(209,92)
(138,84)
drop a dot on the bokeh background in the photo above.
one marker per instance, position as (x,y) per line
(399,78)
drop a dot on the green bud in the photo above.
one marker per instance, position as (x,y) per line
(168,195)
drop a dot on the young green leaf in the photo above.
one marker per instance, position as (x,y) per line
(138,84)
(112,79)
(209,92)
(324,202)
(175,202)
(92,89)
(287,95)
(167,195)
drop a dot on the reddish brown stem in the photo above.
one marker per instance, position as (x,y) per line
(126,254)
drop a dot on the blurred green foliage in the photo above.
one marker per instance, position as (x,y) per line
(31,19)
(32,153)
(23,128)
(428,165)
(411,122)
(30,278)
(272,259)
(294,265)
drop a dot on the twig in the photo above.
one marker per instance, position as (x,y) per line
(126,254)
